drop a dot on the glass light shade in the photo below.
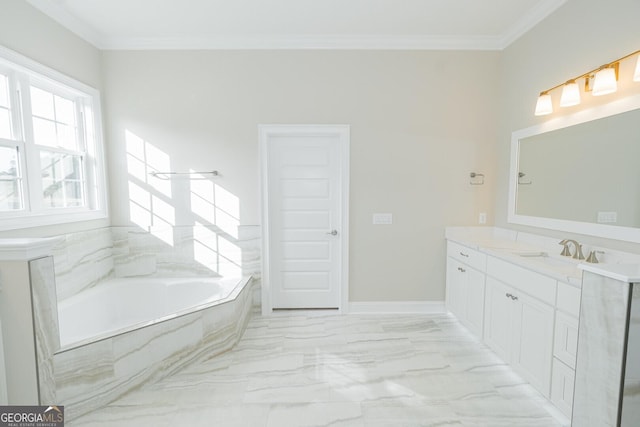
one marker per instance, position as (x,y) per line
(570,95)
(544,106)
(605,82)
(636,74)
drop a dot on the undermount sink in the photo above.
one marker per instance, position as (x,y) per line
(567,265)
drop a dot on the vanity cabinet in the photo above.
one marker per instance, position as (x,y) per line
(519,328)
(528,319)
(466,286)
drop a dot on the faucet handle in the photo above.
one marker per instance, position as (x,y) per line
(592,257)
(565,249)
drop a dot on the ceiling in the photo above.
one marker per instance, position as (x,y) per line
(299,24)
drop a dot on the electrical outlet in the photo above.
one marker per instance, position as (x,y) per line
(482,218)
(607,217)
(382,218)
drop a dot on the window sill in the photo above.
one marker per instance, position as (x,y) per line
(42,220)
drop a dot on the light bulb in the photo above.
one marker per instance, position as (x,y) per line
(570,94)
(605,82)
(544,106)
(636,74)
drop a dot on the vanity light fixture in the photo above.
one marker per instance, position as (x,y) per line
(570,94)
(600,81)
(605,81)
(544,106)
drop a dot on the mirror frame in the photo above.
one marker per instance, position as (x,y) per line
(629,234)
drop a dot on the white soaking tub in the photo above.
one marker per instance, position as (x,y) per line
(119,305)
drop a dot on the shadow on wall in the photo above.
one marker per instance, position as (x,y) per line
(161,204)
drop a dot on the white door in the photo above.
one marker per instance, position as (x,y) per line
(304,216)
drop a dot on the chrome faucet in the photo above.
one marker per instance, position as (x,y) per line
(577,253)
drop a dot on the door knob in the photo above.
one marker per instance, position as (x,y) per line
(333,232)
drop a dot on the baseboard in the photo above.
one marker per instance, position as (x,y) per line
(397,307)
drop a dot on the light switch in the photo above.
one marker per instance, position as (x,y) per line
(382,218)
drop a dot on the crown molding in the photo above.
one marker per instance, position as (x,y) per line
(530,20)
(334,42)
(59,13)
(55,9)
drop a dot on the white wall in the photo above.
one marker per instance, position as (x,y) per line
(420,122)
(29,32)
(578,37)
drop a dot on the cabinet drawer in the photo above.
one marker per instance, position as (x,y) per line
(565,341)
(562,385)
(467,255)
(568,299)
(534,284)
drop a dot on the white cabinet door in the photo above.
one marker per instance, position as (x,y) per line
(519,329)
(497,322)
(455,287)
(474,301)
(533,341)
(465,295)
(562,387)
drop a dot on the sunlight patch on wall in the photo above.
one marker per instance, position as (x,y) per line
(205,246)
(227,208)
(150,198)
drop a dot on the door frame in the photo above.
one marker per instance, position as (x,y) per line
(266,131)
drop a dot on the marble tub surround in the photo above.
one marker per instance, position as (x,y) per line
(81,260)
(310,369)
(91,376)
(181,251)
(45,325)
(523,249)
(84,259)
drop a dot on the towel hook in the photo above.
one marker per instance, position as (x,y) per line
(473,175)
(522,175)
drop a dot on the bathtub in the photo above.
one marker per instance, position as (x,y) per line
(120,305)
(124,333)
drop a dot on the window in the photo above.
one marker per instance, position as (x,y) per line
(50,148)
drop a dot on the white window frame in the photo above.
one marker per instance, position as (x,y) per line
(24,72)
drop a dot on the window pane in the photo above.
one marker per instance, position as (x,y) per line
(67,137)
(65,111)
(5,124)
(42,103)
(44,132)
(73,191)
(10,182)
(62,184)
(4,91)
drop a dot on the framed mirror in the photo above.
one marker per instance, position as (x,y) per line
(580,173)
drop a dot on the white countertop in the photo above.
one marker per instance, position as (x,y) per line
(542,254)
(628,273)
(530,255)
(25,249)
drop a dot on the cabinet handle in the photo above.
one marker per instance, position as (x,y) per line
(513,297)
(509,296)
(461,269)
(464,255)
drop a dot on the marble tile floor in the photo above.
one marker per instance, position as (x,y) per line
(317,369)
